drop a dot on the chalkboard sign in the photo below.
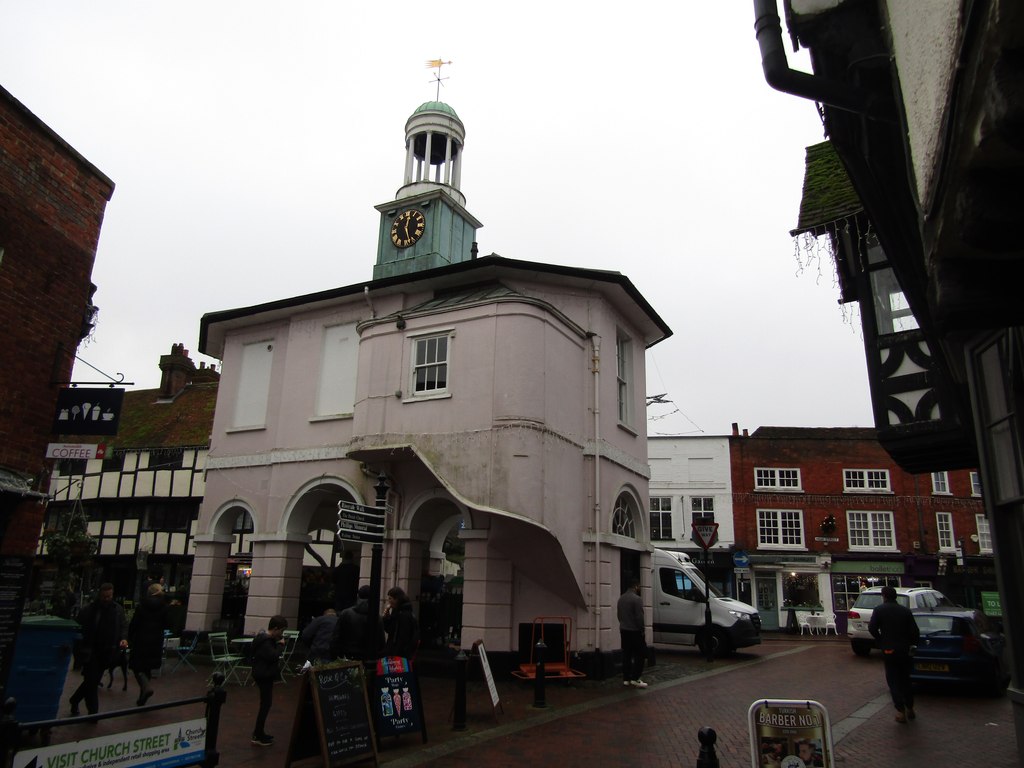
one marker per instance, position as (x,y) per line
(395,699)
(335,694)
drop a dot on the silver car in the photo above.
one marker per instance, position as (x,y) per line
(915,598)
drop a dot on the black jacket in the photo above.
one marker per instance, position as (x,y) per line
(146,634)
(893,626)
(266,657)
(350,631)
(403,632)
(103,628)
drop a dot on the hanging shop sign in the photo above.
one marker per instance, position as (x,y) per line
(88,411)
(76,451)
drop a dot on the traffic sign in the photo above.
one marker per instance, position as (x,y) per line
(705,535)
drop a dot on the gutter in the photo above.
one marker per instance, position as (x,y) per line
(777,73)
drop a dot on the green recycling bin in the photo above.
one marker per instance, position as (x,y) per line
(42,655)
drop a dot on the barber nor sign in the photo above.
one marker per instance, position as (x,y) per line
(163,746)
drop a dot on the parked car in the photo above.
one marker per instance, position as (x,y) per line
(914,598)
(960,647)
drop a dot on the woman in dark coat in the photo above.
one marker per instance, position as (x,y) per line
(146,639)
(401,625)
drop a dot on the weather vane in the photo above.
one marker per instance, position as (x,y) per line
(437,64)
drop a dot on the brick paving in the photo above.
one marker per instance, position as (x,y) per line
(599,723)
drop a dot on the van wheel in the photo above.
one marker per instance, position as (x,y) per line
(719,641)
(861,647)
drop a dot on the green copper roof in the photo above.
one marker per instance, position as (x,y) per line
(435,106)
(828,194)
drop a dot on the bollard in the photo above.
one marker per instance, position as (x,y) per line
(459,709)
(707,758)
(538,682)
(215,698)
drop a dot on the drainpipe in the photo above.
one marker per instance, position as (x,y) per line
(832,93)
(595,368)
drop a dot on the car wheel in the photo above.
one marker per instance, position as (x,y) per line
(861,647)
(720,646)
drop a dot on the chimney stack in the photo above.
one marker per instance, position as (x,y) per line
(177,370)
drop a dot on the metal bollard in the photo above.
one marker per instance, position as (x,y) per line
(707,758)
(459,709)
(538,682)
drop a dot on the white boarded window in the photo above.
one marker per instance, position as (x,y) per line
(253,385)
(336,393)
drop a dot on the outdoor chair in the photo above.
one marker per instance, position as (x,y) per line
(830,623)
(223,659)
(802,620)
(291,638)
(185,648)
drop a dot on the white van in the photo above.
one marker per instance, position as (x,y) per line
(678,596)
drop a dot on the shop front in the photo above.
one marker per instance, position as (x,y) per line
(851,577)
(785,585)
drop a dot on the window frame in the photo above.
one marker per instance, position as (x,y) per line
(944,522)
(774,474)
(780,529)
(866,478)
(975,483)
(701,512)
(624,383)
(873,530)
(984,533)
(424,338)
(940,484)
(658,530)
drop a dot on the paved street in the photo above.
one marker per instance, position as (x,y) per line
(599,723)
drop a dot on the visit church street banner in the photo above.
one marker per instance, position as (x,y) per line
(163,746)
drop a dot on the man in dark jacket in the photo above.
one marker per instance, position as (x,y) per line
(401,625)
(350,630)
(104,634)
(317,636)
(893,626)
(630,610)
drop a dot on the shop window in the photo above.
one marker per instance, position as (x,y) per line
(800,589)
(847,586)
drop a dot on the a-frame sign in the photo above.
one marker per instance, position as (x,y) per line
(705,535)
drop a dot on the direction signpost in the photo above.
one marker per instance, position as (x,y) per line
(360,523)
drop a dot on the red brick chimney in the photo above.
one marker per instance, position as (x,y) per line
(177,370)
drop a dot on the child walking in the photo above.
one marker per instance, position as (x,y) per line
(266,670)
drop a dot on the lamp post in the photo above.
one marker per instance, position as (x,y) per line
(377,554)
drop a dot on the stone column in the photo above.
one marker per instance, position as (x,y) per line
(206,592)
(276,579)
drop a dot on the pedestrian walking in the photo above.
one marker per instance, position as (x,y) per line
(400,624)
(348,641)
(630,610)
(893,626)
(146,639)
(104,635)
(266,670)
(317,637)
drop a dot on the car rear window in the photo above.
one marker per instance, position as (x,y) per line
(873,600)
(930,624)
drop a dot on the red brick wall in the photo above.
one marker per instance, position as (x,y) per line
(821,460)
(51,207)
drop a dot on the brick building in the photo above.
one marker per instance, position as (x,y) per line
(822,511)
(52,202)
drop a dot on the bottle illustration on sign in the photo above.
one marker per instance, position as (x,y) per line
(398,701)
(406,700)
(385,703)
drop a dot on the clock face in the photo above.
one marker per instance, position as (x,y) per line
(407,228)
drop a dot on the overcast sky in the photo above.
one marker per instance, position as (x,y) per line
(249,142)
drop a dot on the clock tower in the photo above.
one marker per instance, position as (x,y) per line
(427,224)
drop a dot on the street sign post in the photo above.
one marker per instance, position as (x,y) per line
(705,535)
(360,523)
